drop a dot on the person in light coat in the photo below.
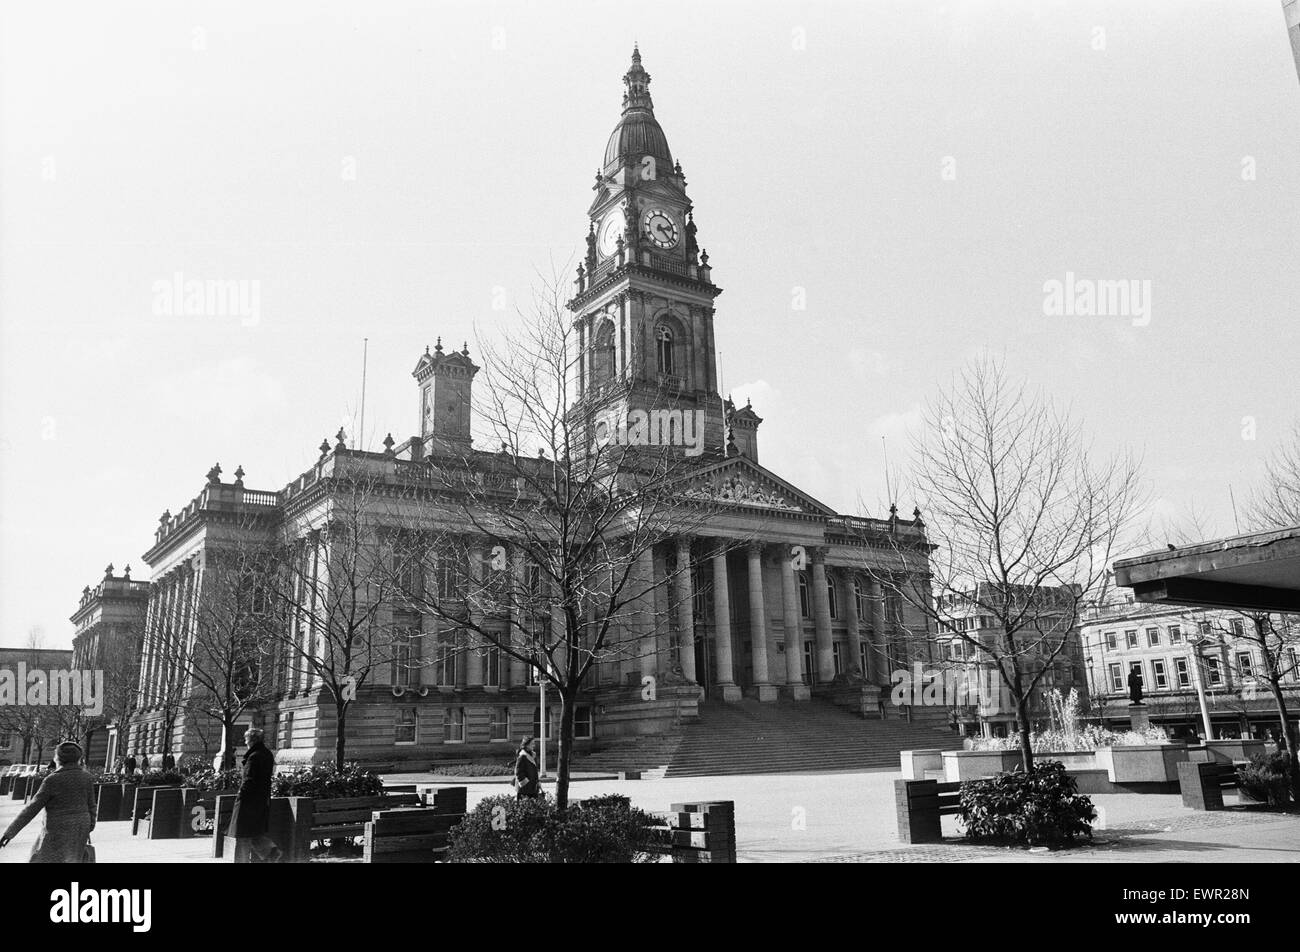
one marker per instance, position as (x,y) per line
(68,798)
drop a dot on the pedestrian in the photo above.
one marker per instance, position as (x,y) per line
(68,798)
(144,763)
(168,761)
(251,817)
(527,780)
(128,765)
(1280,738)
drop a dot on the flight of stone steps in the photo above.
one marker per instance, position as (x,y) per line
(785,737)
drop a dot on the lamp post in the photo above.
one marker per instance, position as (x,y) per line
(1199,684)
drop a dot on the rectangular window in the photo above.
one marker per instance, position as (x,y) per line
(1175,634)
(453,726)
(805,608)
(832,597)
(1238,627)
(1153,637)
(1182,672)
(862,656)
(499,724)
(1111,641)
(1116,676)
(809,662)
(1293,663)
(837,655)
(404,726)
(582,723)
(1213,673)
(286,738)
(1131,638)
(493,675)
(1204,628)
(1245,664)
(1161,675)
(445,663)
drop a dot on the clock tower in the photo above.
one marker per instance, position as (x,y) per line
(643,311)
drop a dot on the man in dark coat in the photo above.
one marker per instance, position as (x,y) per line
(128,765)
(168,761)
(527,783)
(252,814)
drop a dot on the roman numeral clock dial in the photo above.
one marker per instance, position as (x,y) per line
(661,229)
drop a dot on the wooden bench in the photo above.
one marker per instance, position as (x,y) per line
(1202,783)
(411,835)
(347,816)
(921,806)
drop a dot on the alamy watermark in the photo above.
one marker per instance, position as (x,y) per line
(980,687)
(1087,297)
(57,687)
(684,428)
(197,297)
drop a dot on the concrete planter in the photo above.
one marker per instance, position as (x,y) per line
(1142,763)
(978,764)
(1231,751)
(916,762)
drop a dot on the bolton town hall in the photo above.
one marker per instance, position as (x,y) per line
(757,605)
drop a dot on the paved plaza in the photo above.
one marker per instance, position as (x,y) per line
(842,817)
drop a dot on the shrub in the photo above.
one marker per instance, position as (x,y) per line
(1267,778)
(326,782)
(506,830)
(205,779)
(474,769)
(1039,808)
(162,778)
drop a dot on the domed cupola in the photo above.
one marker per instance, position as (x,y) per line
(638,133)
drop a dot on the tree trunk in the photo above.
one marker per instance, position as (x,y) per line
(340,738)
(227,743)
(565,758)
(1022,714)
(1288,734)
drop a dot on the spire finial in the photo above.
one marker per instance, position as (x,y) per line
(437,348)
(637,85)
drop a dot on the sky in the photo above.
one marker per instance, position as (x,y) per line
(884,189)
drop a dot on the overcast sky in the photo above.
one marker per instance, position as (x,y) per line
(392,171)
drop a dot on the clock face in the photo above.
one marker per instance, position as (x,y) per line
(610,229)
(660,228)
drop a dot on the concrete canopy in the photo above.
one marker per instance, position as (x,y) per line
(1255,572)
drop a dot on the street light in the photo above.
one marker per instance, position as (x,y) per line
(1195,640)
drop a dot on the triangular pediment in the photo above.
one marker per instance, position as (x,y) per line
(739,481)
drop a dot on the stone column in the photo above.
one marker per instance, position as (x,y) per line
(822,617)
(685,595)
(758,624)
(518,675)
(848,580)
(793,628)
(722,626)
(876,653)
(474,661)
(647,642)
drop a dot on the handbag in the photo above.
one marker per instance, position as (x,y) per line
(88,854)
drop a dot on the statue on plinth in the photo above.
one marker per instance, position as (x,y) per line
(1134,686)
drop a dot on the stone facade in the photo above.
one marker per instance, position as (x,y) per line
(776,595)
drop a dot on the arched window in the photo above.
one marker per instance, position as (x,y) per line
(602,357)
(830,597)
(664,349)
(805,605)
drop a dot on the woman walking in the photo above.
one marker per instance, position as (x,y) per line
(526,779)
(68,798)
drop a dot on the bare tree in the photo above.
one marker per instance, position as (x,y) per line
(1276,503)
(330,589)
(554,531)
(225,661)
(1025,520)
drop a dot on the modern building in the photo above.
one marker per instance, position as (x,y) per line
(1057,652)
(109,638)
(1172,648)
(1191,620)
(734,612)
